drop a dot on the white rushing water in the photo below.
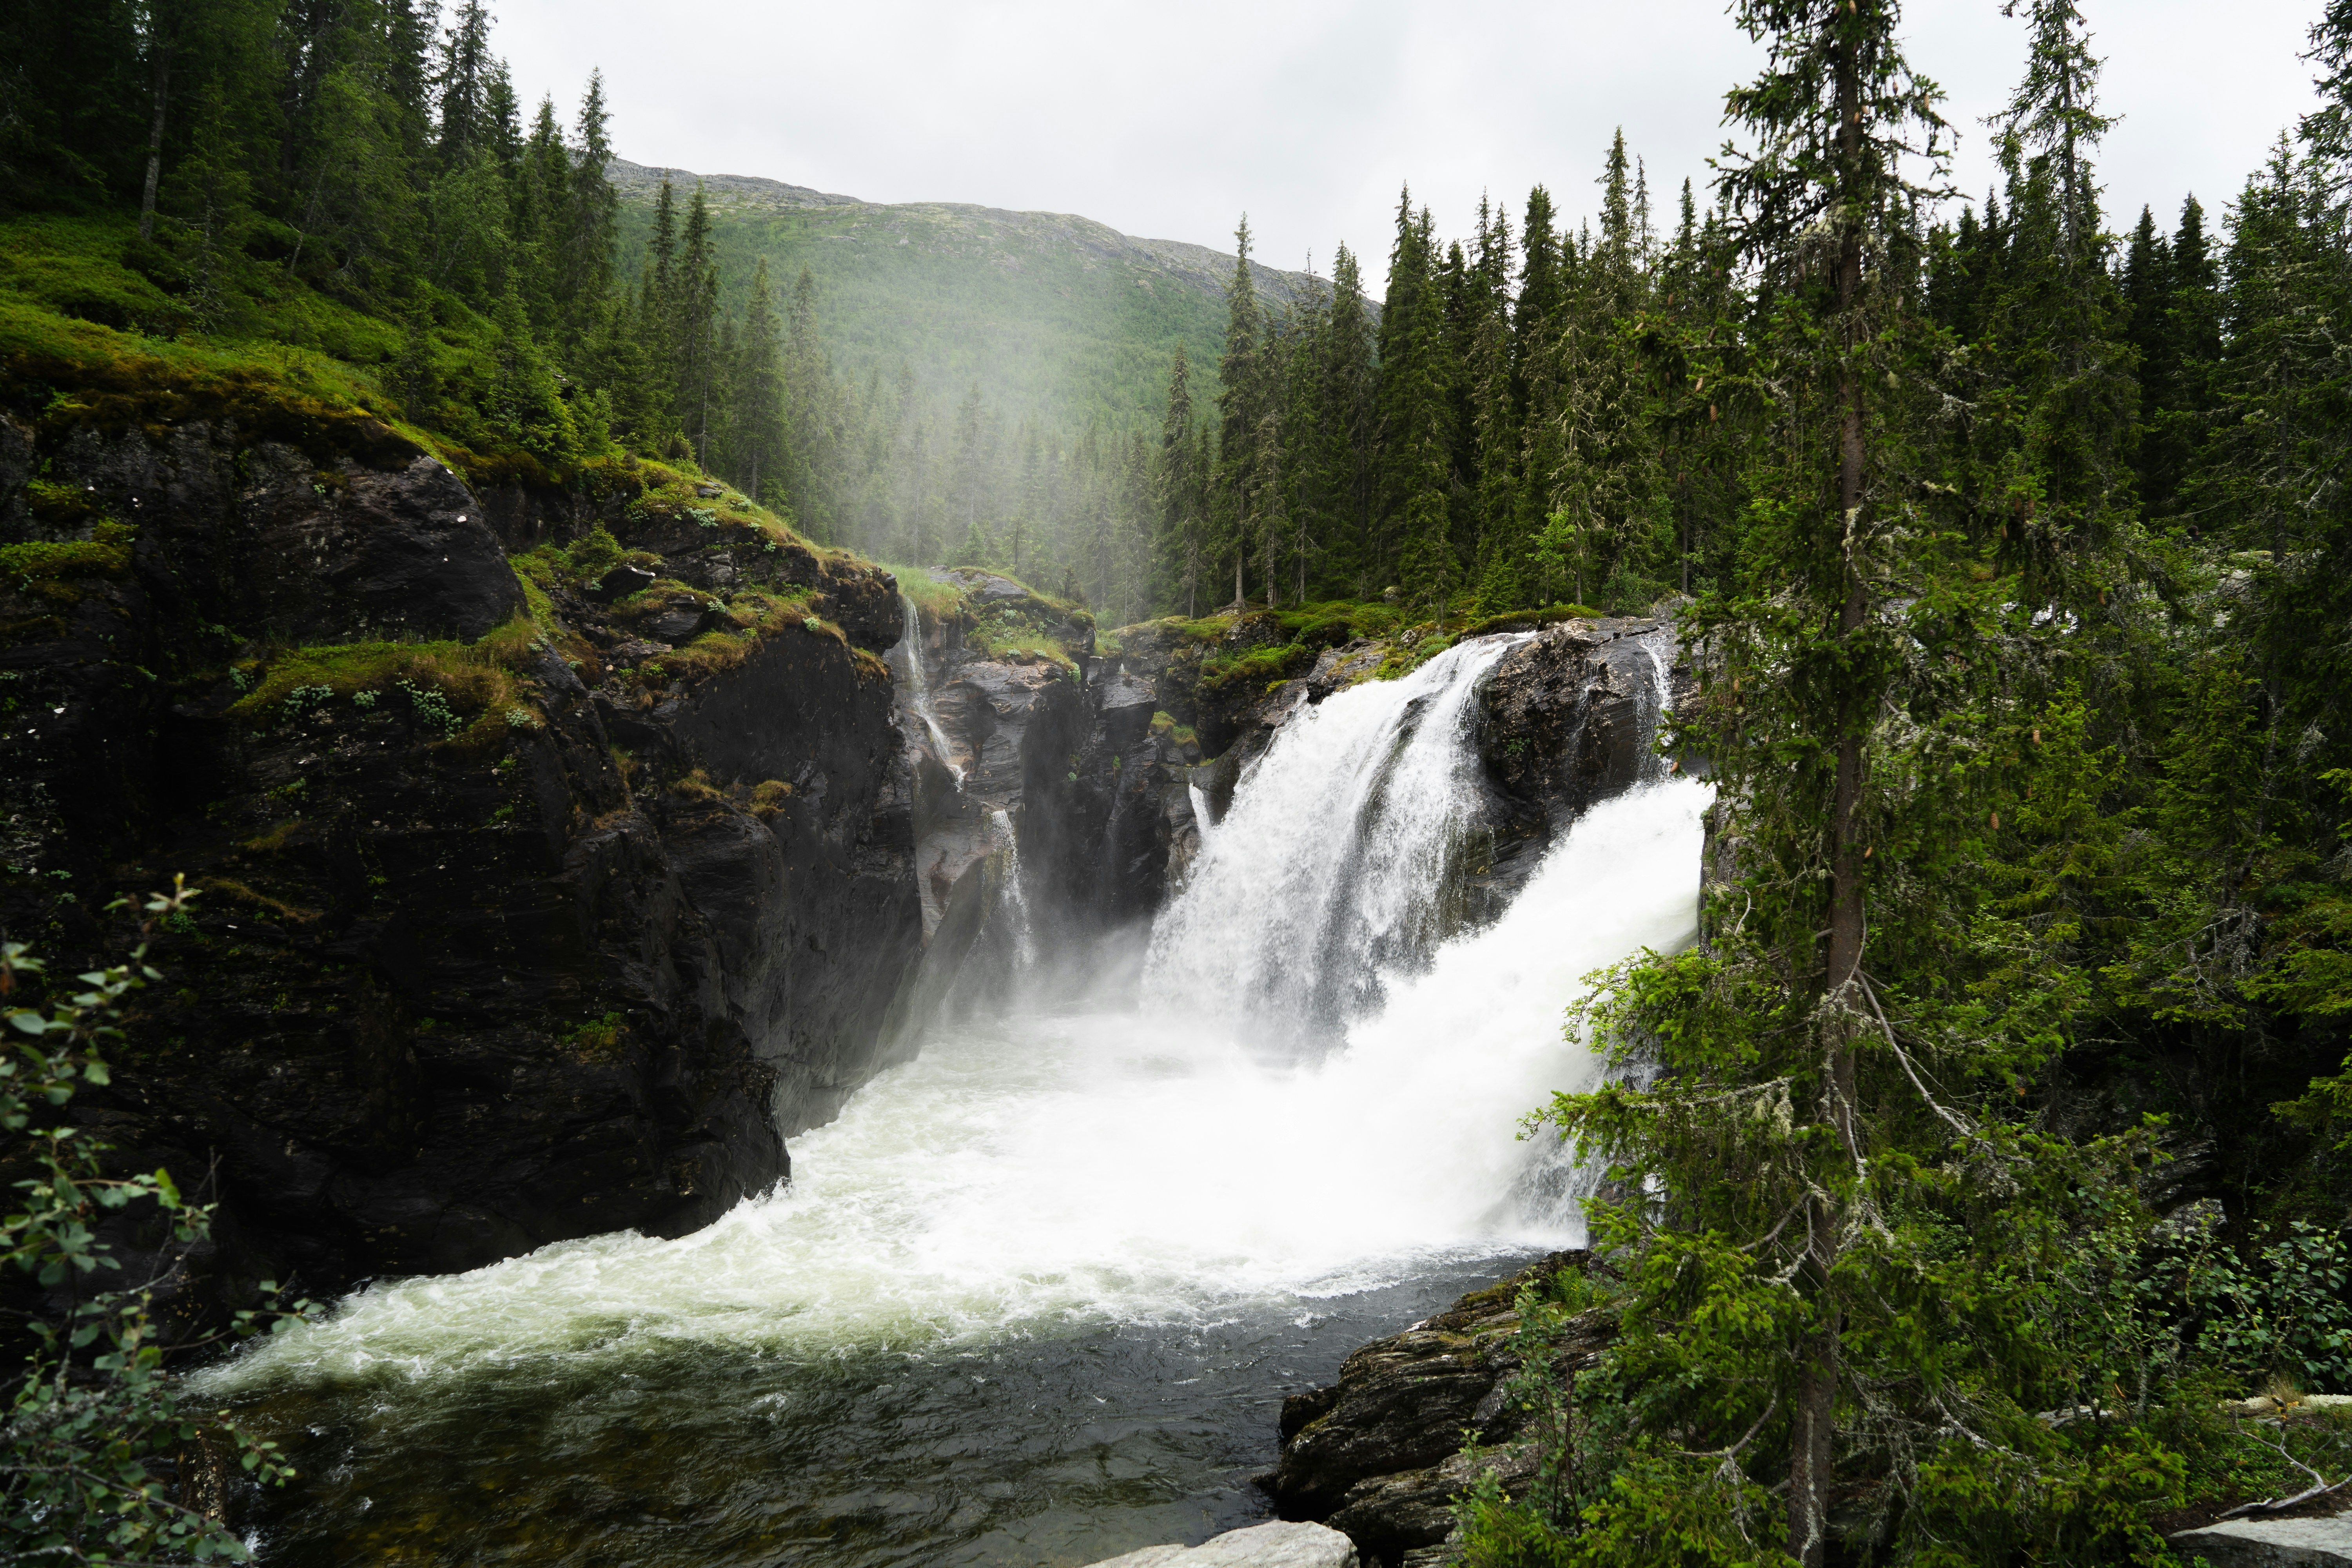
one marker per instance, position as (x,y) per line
(1321,878)
(906,661)
(1139,1166)
(1017,891)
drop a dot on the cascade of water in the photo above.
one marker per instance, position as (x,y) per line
(1124,1167)
(1660,646)
(906,659)
(1199,799)
(1325,868)
(1016,897)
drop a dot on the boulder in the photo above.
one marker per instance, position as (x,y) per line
(1277,1545)
(985,587)
(1378,1455)
(2271,1543)
(359,552)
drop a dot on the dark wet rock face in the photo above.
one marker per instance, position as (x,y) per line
(368,552)
(1378,1454)
(1566,721)
(451,991)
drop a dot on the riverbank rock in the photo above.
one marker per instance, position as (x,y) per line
(1277,1545)
(1378,1455)
(518,923)
(2271,1543)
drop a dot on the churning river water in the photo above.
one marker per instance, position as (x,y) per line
(1036,1296)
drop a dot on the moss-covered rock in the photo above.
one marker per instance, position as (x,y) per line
(515,926)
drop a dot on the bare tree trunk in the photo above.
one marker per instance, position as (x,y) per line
(155,140)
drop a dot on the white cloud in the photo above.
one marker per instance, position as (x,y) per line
(1168,120)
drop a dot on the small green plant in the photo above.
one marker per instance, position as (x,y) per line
(96,1422)
(430,707)
(364,701)
(302,699)
(599,1037)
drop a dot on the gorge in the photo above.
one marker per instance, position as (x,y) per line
(1034,1294)
(1130,1071)
(1124,1090)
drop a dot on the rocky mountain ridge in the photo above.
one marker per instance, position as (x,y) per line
(998,231)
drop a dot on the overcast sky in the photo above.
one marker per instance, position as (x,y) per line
(1167,120)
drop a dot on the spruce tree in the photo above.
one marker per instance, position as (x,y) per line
(693,319)
(1415,544)
(1241,406)
(1349,414)
(756,424)
(1180,521)
(1605,497)
(2060,486)
(462,80)
(1833,114)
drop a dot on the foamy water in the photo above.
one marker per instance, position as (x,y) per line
(1132,1167)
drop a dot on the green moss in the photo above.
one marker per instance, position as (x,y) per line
(58,508)
(1165,728)
(1260,667)
(1404,659)
(1527,620)
(1208,629)
(65,558)
(941,604)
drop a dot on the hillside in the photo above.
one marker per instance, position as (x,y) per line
(1052,314)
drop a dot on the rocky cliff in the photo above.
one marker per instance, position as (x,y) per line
(557,854)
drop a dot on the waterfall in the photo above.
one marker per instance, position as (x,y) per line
(1016,897)
(1327,870)
(1139,1172)
(906,659)
(1662,687)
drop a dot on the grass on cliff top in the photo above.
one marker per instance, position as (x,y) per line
(1305,630)
(86,321)
(941,604)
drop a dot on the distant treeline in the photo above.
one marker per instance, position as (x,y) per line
(1535,418)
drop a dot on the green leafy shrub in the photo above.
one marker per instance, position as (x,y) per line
(98,1429)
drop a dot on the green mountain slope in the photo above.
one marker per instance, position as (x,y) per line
(1054,316)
